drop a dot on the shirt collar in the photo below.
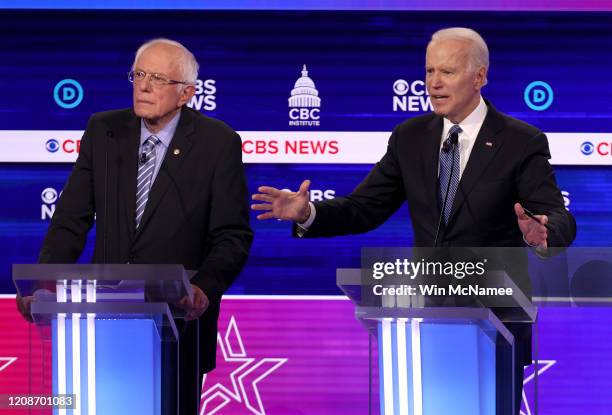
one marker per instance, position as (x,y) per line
(165,134)
(470,126)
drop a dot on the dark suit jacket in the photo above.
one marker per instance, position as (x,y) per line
(197,213)
(508,164)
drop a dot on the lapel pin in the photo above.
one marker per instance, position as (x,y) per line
(176,152)
(488,144)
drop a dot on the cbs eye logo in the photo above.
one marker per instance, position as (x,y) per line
(587,148)
(400,87)
(49,195)
(52,145)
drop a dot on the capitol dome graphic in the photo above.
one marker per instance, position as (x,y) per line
(304,93)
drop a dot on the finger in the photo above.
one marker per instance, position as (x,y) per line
(185,303)
(540,237)
(261,206)
(304,188)
(193,314)
(520,212)
(538,231)
(199,302)
(543,219)
(267,215)
(262,197)
(273,191)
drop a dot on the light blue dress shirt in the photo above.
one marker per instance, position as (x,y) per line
(165,136)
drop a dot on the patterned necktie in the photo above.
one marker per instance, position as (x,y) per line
(146,165)
(449,168)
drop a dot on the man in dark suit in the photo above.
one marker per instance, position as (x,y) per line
(467,172)
(166,185)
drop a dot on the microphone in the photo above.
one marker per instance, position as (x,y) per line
(449,144)
(143,158)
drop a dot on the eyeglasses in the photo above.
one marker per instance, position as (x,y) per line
(156,78)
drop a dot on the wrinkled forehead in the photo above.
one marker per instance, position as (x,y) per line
(448,51)
(159,58)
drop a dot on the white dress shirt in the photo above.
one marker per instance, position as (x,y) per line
(470,127)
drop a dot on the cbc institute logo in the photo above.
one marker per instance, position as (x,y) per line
(304,103)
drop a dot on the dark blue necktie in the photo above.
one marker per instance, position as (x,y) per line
(448,181)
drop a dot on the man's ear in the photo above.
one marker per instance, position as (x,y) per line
(186,95)
(480,79)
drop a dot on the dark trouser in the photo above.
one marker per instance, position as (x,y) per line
(187,371)
(504,368)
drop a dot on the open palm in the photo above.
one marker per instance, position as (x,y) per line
(280,204)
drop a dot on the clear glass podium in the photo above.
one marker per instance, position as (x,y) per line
(112,333)
(439,354)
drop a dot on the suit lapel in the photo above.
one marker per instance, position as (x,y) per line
(431,151)
(128,147)
(182,142)
(485,147)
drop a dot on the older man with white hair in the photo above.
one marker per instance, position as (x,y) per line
(166,185)
(471,175)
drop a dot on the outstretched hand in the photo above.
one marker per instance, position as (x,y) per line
(280,204)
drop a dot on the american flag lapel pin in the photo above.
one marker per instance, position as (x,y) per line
(489,144)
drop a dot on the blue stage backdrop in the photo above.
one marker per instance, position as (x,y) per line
(547,68)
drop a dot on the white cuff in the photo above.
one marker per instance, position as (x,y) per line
(311,218)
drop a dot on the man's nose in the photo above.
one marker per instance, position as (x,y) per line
(435,81)
(145,84)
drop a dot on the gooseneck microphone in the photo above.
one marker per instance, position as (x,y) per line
(450,141)
(450,144)
(143,158)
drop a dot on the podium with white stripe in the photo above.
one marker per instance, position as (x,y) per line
(435,359)
(108,326)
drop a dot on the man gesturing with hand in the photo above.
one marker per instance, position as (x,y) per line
(468,172)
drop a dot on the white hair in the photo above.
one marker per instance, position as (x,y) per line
(479,53)
(188,65)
